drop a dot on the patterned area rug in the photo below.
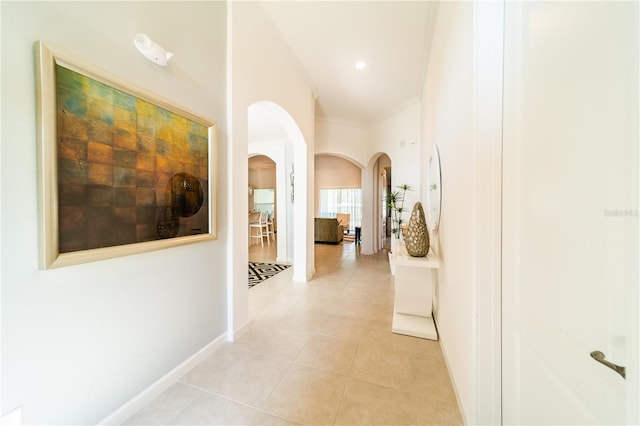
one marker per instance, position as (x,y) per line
(259,272)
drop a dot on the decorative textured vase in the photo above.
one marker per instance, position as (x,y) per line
(417,239)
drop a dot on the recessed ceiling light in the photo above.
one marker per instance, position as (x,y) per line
(360,65)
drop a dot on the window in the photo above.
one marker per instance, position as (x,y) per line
(342,200)
(264,200)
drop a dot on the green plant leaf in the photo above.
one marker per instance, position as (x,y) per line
(395,202)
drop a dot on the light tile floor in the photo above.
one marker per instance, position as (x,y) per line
(318,353)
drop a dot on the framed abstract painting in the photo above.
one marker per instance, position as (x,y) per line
(121,171)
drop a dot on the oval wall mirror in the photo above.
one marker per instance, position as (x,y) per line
(434,195)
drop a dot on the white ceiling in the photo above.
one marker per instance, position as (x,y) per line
(329,37)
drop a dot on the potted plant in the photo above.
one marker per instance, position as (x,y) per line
(395,203)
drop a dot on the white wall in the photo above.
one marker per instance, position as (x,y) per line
(78,342)
(399,137)
(338,137)
(264,69)
(448,121)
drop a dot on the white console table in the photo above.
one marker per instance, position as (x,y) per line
(413,305)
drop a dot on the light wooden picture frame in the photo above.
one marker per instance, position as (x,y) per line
(121,171)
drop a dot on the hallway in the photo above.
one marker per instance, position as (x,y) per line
(316,353)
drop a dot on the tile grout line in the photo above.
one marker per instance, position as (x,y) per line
(349,377)
(244,404)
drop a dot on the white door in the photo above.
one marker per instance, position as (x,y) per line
(570,212)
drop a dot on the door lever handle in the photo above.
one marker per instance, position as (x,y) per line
(599,356)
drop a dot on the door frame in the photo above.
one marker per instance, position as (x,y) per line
(488,79)
(276,152)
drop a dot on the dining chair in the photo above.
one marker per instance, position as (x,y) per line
(270,228)
(261,229)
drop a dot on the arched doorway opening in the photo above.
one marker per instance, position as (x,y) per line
(376,183)
(338,190)
(273,132)
(263,196)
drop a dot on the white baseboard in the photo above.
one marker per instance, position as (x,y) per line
(453,380)
(143,398)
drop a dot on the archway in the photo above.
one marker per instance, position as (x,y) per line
(273,132)
(376,182)
(263,195)
(338,189)
(275,152)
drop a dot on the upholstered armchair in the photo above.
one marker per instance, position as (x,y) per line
(344,219)
(327,230)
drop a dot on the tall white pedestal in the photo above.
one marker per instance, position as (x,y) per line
(413,293)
